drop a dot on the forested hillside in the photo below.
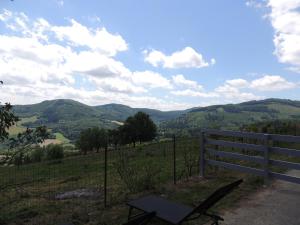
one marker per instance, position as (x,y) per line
(233,116)
(70,117)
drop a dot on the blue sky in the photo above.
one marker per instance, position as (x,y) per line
(158,54)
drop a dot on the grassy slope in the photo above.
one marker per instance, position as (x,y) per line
(235,116)
(20,126)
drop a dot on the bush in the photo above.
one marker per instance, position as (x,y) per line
(54,151)
(133,176)
(37,154)
(18,159)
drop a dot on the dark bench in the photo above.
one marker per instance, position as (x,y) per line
(175,213)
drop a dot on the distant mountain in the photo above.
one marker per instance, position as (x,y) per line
(121,112)
(70,117)
(233,116)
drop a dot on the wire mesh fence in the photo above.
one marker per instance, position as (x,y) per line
(74,188)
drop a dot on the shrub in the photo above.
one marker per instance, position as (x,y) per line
(54,151)
(18,159)
(133,176)
(37,154)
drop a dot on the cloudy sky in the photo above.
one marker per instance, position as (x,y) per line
(158,54)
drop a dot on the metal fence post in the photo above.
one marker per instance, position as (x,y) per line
(174,159)
(105,177)
(266,158)
(202,155)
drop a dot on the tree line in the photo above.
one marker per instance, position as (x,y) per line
(138,128)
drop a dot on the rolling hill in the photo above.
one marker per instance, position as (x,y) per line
(233,116)
(70,117)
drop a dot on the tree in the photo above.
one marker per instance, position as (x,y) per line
(7,119)
(129,132)
(23,141)
(114,137)
(140,128)
(84,143)
(98,138)
(146,128)
(92,139)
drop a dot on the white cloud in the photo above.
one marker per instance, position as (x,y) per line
(181,81)
(96,65)
(118,85)
(5,15)
(232,89)
(255,3)
(238,83)
(272,83)
(193,93)
(40,61)
(97,39)
(151,79)
(234,94)
(285,20)
(186,58)
(60,3)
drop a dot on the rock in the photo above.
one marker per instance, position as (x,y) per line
(80,193)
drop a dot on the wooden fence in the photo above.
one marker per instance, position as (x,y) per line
(263,149)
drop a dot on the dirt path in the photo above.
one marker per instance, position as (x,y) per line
(278,204)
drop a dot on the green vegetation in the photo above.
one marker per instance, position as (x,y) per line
(92,139)
(138,128)
(20,127)
(54,152)
(7,119)
(33,195)
(232,116)
(60,137)
(70,117)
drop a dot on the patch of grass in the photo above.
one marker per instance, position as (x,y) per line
(60,137)
(19,127)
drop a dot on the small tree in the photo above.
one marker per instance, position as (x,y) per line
(83,143)
(98,138)
(114,137)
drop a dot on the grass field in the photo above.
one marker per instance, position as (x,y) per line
(19,127)
(59,139)
(28,193)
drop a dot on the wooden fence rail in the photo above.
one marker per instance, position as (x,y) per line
(263,147)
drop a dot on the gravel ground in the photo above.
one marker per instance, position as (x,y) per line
(278,204)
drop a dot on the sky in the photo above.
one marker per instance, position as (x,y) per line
(166,55)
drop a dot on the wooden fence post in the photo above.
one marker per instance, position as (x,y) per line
(202,155)
(266,158)
(174,159)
